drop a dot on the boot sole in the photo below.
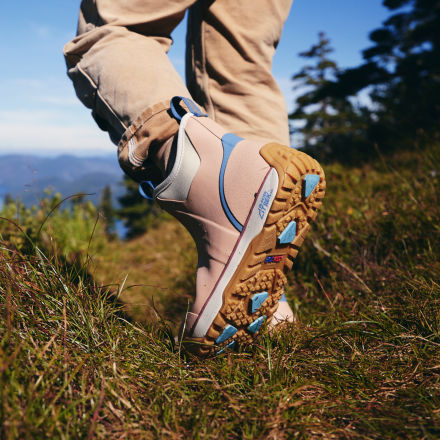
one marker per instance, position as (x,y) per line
(251,297)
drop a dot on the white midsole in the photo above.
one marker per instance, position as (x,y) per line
(254,226)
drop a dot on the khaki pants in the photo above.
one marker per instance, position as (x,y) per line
(120,69)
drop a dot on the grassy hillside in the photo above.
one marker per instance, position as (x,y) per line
(86,349)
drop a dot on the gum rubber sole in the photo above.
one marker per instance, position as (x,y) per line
(251,296)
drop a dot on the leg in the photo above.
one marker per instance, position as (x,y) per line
(120,70)
(229,59)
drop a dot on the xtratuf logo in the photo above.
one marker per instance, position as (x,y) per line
(262,207)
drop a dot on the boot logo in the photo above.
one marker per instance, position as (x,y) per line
(265,199)
(273,259)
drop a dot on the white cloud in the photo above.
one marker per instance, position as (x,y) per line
(43,116)
(40,132)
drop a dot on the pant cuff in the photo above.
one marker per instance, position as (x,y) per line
(150,130)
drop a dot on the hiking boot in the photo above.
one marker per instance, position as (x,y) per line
(248,207)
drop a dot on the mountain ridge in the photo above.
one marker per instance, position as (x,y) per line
(27,176)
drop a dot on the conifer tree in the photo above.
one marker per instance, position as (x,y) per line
(107,210)
(331,125)
(402,70)
(137,213)
(8,200)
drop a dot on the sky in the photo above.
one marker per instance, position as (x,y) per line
(40,114)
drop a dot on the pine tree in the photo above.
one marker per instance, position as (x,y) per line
(107,210)
(137,213)
(8,200)
(408,46)
(402,69)
(330,124)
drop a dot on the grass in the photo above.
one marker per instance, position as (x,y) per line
(361,360)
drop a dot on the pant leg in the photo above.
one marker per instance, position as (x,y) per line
(229,61)
(119,68)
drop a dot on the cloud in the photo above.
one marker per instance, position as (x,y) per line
(43,116)
(40,132)
(23,91)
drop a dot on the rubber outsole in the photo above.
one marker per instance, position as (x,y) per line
(269,256)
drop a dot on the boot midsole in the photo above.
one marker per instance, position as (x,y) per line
(253,226)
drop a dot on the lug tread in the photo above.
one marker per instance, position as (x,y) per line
(254,275)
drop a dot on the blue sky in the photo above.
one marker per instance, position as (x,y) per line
(40,114)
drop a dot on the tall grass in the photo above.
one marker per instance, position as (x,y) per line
(362,359)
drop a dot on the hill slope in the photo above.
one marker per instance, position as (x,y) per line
(361,360)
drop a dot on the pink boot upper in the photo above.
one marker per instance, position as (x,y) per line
(192,194)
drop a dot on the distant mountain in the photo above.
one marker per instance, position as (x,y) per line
(27,176)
